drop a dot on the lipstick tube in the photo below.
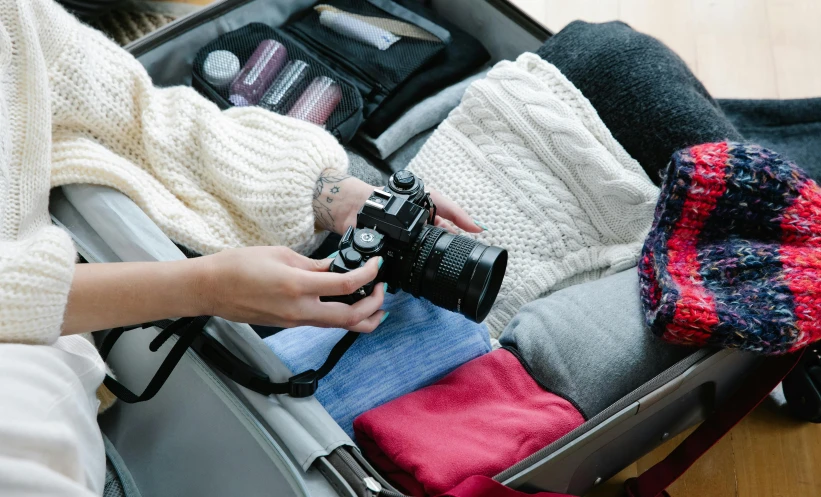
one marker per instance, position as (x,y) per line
(258,73)
(318,101)
(284,89)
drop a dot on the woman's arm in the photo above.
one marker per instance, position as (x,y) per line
(210,179)
(109,295)
(272,286)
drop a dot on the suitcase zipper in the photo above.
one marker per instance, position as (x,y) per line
(371,483)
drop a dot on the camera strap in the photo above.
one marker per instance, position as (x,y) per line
(191,332)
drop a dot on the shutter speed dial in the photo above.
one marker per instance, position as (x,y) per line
(367,241)
(403,180)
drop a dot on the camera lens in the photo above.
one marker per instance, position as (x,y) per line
(455,272)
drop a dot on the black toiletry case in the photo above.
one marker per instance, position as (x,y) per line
(380,74)
(345,118)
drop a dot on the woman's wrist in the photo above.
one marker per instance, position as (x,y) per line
(105,296)
(337,198)
(202,283)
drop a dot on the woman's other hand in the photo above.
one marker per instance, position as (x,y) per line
(275,286)
(448,214)
(338,197)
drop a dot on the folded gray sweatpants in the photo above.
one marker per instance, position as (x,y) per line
(588,343)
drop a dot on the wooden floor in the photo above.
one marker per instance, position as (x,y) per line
(739,49)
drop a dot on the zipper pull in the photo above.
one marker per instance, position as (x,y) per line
(372,485)
(376,90)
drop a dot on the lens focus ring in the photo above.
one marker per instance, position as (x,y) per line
(443,291)
(428,237)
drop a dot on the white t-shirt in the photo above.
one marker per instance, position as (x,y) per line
(50,443)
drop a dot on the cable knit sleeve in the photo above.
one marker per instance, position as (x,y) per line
(35,278)
(211,180)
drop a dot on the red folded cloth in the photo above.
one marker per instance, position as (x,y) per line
(478,420)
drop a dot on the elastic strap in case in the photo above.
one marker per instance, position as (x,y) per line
(191,335)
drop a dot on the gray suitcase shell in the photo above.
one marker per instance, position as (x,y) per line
(203,435)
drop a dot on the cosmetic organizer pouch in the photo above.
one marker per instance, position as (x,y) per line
(379,43)
(299,79)
(338,62)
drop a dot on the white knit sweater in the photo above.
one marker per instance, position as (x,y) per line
(75,108)
(527,155)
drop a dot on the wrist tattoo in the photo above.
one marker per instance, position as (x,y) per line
(327,187)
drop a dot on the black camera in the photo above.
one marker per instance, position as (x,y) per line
(454,272)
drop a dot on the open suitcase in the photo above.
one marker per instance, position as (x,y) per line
(203,434)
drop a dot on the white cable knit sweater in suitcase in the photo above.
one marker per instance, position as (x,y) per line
(526,154)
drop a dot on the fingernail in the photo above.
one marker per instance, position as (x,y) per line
(384,317)
(333,255)
(385,286)
(477,223)
(381,261)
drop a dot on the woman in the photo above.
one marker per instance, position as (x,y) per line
(76,108)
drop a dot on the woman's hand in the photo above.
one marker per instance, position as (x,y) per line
(275,286)
(448,214)
(272,286)
(338,197)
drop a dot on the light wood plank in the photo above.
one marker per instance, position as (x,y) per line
(795,31)
(732,17)
(733,48)
(559,13)
(735,65)
(715,470)
(776,455)
(671,21)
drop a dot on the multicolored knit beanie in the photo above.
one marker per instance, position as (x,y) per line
(734,255)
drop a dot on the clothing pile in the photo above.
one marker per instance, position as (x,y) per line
(417,346)
(559,154)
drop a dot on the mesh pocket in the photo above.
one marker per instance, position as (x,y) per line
(259,65)
(379,42)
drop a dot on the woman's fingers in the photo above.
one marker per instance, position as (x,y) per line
(299,261)
(440,222)
(363,316)
(449,210)
(326,284)
(371,323)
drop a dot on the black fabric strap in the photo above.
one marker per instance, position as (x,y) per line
(188,329)
(216,355)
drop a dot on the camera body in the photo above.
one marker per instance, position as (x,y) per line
(388,224)
(396,222)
